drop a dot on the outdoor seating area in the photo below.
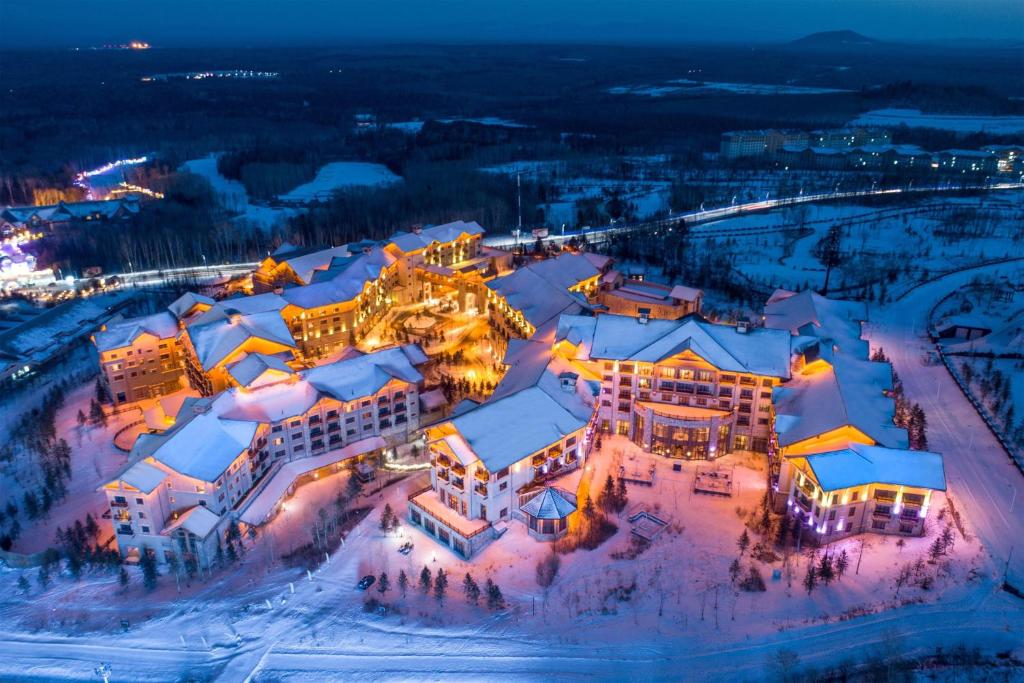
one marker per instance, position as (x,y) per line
(713,481)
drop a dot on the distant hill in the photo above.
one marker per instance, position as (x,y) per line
(826,39)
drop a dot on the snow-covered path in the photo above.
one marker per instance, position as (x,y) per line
(980,476)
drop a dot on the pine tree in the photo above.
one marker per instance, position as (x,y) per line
(936,549)
(782,533)
(122,577)
(842,563)
(387,518)
(495,600)
(96,414)
(354,487)
(425,580)
(23,585)
(744,542)
(471,589)
(82,419)
(621,497)
(149,570)
(43,577)
(102,395)
(606,499)
(734,571)
(825,570)
(403,582)
(383,583)
(440,585)
(811,578)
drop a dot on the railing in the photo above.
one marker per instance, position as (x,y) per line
(417,492)
(481,489)
(483,475)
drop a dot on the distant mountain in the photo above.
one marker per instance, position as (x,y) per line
(827,39)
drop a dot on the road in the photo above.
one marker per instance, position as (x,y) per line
(698,217)
(981,478)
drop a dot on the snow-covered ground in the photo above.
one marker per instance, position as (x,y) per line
(686,86)
(233,197)
(961,123)
(339,175)
(414,127)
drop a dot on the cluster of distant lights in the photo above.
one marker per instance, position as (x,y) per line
(81,178)
(203,75)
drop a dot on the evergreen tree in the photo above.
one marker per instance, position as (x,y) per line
(96,414)
(825,571)
(232,553)
(811,578)
(495,600)
(383,583)
(606,499)
(621,497)
(23,585)
(43,577)
(387,518)
(734,571)
(354,487)
(91,527)
(149,571)
(936,549)
(842,563)
(122,577)
(471,589)
(30,504)
(744,542)
(403,582)
(440,585)
(425,580)
(82,419)
(782,532)
(828,251)
(102,395)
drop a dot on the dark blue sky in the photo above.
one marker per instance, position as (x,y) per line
(47,23)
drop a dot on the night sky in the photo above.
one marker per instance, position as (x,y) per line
(61,23)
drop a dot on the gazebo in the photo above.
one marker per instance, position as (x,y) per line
(547,513)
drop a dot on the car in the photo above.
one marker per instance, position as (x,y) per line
(406,548)
(366,582)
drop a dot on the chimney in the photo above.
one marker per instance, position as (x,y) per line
(417,229)
(742,326)
(643,315)
(568,381)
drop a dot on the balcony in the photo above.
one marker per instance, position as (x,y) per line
(459,470)
(481,489)
(483,475)
(442,474)
(458,483)
(119,503)
(539,459)
(443,460)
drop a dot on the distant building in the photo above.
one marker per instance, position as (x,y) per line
(52,216)
(1009,158)
(758,143)
(848,138)
(967,161)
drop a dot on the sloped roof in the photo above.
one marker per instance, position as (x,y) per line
(143,476)
(810,314)
(197,520)
(343,280)
(551,503)
(759,351)
(248,370)
(860,464)
(409,242)
(540,291)
(187,303)
(305,263)
(161,325)
(223,329)
(849,393)
(204,445)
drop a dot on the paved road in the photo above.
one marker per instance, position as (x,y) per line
(716,214)
(980,476)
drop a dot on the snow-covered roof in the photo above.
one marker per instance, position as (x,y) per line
(1005,340)
(203,444)
(342,280)
(758,351)
(143,476)
(255,366)
(196,520)
(810,314)
(365,375)
(117,335)
(505,431)
(860,464)
(188,302)
(432,400)
(540,291)
(850,392)
(551,503)
(225,328)
(305,262)
(686,293)
(410,242)
(260,506)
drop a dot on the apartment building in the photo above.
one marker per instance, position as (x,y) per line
(238,452)
(684,388)
(141,358)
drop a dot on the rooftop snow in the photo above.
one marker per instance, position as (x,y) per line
(860,464)
(811,314)
(551,503)
(540,291)
(197,520)
(409,242)
(343,280)
(117,335)
(217,333)
(254,365)
(759,351)
(849,393)
(143,476)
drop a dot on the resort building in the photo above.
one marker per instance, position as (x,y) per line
(638,298)
(860,488)
(495,463)
(684,388)
(238,452)
(140,358)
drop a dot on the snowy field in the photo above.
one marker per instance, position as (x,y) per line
(231,194)
(339,175)
(414,127)
(686,86)
(960,123)
(935,235)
